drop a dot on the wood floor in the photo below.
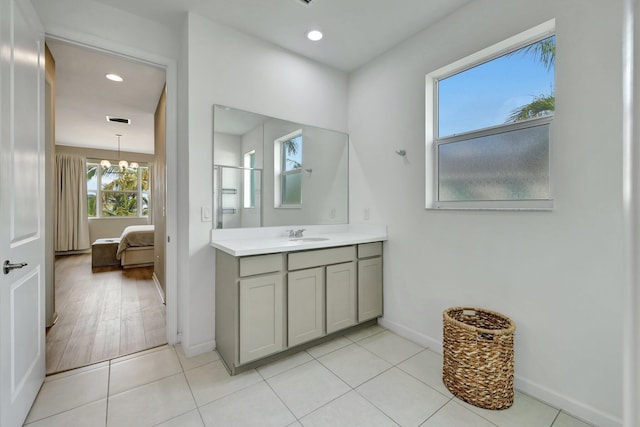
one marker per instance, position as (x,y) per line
(102,314)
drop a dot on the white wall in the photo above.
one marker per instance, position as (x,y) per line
(99,23)
(559,274)
(230,68)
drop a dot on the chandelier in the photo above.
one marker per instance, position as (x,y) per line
(123,165)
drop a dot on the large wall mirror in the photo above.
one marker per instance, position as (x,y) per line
(270,172)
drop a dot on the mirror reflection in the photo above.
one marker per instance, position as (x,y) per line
(270,172)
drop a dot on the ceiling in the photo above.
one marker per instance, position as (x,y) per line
(84,97)
(355,32)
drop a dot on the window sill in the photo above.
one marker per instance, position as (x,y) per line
(494,205)
(288,207)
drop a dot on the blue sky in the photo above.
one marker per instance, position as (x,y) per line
(486,94)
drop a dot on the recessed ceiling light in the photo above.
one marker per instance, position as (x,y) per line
(114,77)
(314,35)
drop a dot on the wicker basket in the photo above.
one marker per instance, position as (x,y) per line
(478,357)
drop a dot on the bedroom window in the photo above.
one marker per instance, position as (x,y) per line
(488,126)
(111,193)
(288,170)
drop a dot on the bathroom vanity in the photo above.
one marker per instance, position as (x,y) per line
(276,295)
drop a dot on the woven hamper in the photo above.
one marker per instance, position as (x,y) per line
(478,356)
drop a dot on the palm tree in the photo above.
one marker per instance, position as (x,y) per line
(119,197)
(541,105)
(291,146)
(544,52)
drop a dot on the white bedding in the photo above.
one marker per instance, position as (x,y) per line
(135,236)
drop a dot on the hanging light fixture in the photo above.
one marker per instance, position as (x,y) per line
(123,165)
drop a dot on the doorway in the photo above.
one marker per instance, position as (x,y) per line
(106,311)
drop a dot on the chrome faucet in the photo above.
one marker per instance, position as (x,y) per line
(296,233)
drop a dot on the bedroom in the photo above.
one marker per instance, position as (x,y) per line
(108,297)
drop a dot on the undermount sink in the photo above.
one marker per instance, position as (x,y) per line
(309,239)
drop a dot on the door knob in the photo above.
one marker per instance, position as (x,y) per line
(8,266)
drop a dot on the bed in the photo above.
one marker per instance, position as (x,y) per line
(136,246)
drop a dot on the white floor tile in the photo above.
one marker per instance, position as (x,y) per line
(427,367)
(256,405)
(70,391)
(348,411)
(190,419)
(354,365)
(329,346)
(91,415)
(363,333)
(307,387)
(137,371)
(391,347)
(525,412)
(566,420)
(195,361)
(455,415)
(282,365)
(149,388)
(406,400)
(151,404)
(212,381)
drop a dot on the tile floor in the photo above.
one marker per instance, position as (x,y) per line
(371,377)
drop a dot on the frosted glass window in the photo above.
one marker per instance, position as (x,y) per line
(489,125)
(291,189)
(511,165)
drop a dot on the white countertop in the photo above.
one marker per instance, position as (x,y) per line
(264,240)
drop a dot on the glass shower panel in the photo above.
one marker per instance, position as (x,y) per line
(229,189)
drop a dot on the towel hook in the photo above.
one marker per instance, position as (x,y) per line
(401,152)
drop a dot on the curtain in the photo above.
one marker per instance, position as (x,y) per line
(71,229)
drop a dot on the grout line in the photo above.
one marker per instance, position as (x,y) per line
(283,402)
(106,412)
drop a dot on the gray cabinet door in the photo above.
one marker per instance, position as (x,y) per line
(305,292)
(369,288)
(341,296)
(261,316)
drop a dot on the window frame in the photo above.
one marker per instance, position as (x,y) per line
(138,192)
(248,197)
(432,141)
(281,172)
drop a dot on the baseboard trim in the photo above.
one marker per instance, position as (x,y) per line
(412,335)
(551,397)
(158,287)
(569,405)
(197,349)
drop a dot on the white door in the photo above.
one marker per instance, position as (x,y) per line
(22,323)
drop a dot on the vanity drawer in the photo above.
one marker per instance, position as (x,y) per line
(260,264)
(320,257)
(368,250)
